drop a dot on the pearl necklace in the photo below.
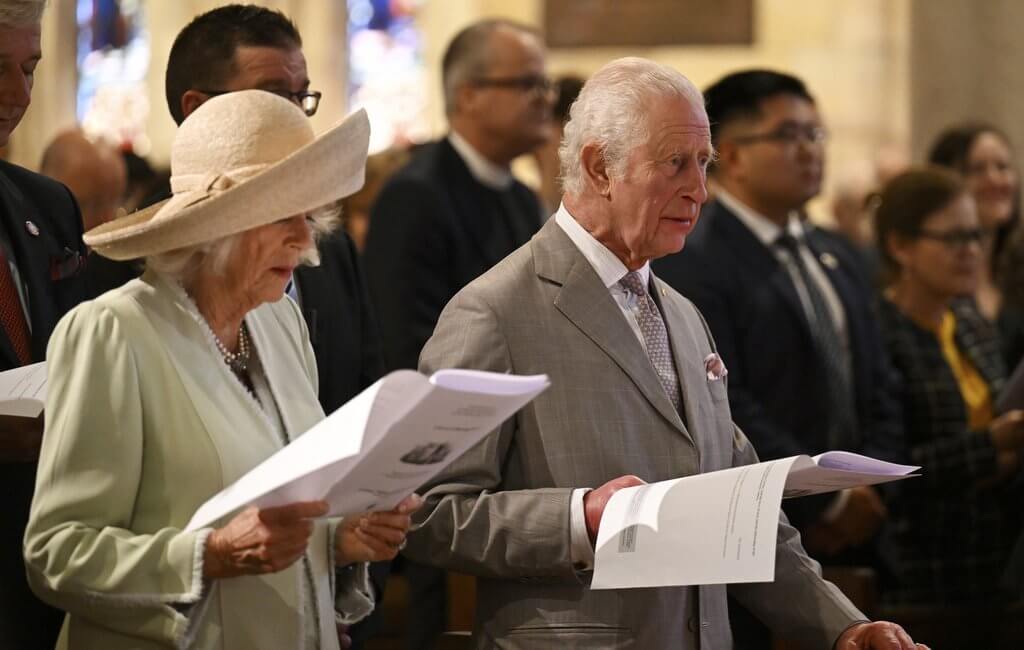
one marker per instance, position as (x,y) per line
(237,361)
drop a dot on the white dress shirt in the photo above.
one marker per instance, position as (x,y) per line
(610,269)
(484,171)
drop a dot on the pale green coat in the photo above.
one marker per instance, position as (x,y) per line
(144,422)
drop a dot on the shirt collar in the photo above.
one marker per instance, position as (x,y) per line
(608,267)
(484,171)
(766,230)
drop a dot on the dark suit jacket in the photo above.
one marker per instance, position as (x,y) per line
(341,323)
(48,264)
(777,382)
(433,229)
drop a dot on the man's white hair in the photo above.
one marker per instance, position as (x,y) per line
(21,13)
(611,112)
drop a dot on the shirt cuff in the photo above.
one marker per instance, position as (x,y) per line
(834,509)
(580,550)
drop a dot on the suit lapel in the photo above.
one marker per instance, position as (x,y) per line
(587,303)
(282,370)
(32,257)
(761,263)
(230,416)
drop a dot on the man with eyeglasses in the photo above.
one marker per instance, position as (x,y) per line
(242,47)
(790,309)
(455,210)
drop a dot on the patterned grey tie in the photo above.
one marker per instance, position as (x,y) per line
(652,326)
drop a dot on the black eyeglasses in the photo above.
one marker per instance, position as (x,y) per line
(307,100)
(788,134)
(526,83)
(956,238)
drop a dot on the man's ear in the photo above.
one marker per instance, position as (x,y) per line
(191,100)
(595,169)
(466,99)
(728,159)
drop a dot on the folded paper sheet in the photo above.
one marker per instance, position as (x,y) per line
(23,390)
(718,527)
(382,445)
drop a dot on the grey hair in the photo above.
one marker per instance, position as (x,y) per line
(21,13)
(183,264)
(611,112)
(469,55)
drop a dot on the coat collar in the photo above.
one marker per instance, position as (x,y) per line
(222,402)
(587,303)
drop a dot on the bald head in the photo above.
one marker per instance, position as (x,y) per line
(95,174)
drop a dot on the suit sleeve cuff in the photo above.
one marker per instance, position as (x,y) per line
(580,550)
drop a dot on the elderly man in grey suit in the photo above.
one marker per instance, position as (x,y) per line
(637,391)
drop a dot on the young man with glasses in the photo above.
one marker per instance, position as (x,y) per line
(455,210)
(789,307)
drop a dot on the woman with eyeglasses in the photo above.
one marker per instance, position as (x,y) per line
(946,537)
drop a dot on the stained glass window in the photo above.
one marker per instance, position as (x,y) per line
(113,59)
(386,71)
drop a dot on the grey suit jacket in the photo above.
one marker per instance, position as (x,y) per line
(501,512)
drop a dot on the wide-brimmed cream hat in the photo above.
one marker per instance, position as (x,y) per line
(241,160)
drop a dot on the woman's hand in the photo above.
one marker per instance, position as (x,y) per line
(374,536)
(261,540)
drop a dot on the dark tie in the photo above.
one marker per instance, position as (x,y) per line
(11,316)
(652,327)
(842,432)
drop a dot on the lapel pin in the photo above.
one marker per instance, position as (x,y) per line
(663,293)
(32,228)
(829,260)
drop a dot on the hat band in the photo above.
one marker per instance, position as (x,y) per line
(193,188)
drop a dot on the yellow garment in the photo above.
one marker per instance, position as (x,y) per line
(973,387)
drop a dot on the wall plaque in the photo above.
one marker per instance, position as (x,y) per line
(616,23)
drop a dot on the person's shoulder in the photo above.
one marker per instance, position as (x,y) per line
(33,185)
(103,318)
(507,278)
(425,164)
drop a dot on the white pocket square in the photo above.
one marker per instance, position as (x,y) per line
(715,367)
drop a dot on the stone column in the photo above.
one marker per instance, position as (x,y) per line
(966,65)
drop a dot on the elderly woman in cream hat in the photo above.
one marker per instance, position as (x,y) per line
(164,391)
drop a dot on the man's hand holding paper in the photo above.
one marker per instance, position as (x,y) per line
(647,539)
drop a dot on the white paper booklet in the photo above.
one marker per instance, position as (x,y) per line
(23,390)
(718,527)
(383,444)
